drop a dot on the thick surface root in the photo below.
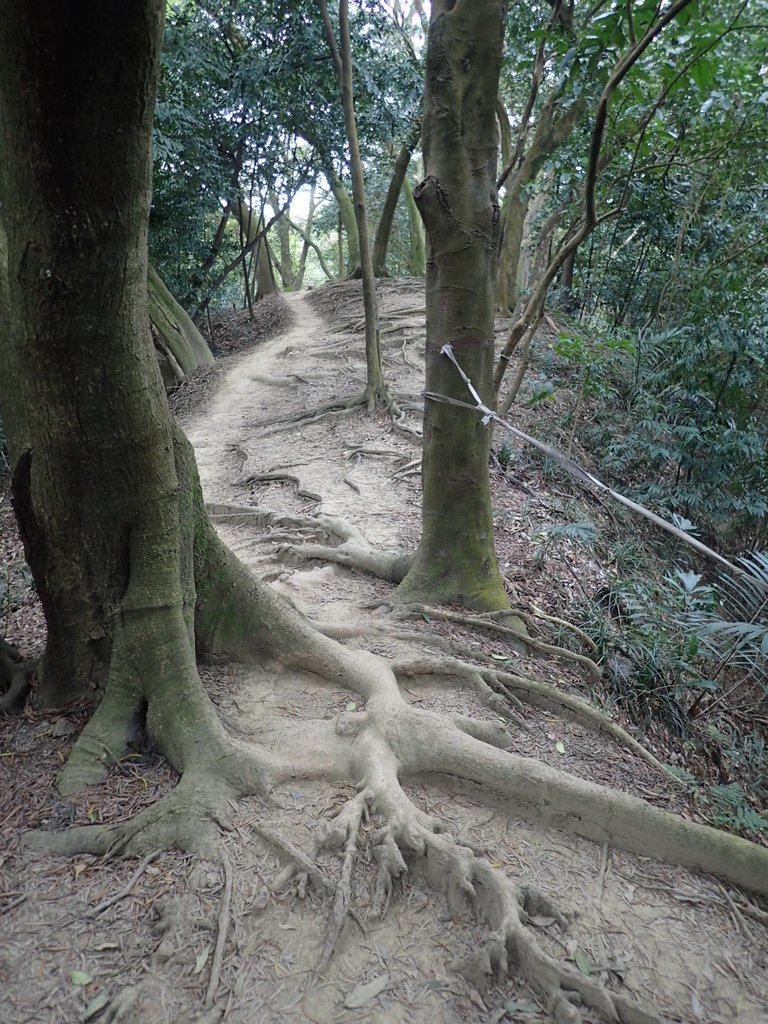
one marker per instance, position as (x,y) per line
(502,689)
(491,622)
(330,410)
(15,679)
(186,819)
(377,749)
(411,840)
(349,548)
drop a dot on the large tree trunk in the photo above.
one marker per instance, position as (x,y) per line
(456,559)
(251,227)
(264,271)
(95,487)
(283,229)
(104,485)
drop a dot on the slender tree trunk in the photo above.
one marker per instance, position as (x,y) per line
(549,136)
(456,559)
(309,243)
(568,300)
(376,391)
(384,227)
(340,244)
(306,236)
(515,208)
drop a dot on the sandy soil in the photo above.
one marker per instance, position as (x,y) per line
(274,434)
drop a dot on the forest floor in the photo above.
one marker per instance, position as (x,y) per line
(121,941)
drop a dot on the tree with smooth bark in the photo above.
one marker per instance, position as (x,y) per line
(456,558)
(134,581)
(376,393)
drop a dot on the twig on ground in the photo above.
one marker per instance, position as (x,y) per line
(221,931)
(126,890)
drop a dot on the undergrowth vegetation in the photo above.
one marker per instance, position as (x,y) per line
(685,659)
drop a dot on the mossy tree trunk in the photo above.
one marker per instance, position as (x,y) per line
(95,486)
(456,558)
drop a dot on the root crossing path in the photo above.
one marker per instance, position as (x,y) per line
(498,915)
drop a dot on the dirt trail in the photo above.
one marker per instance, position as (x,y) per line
(659,935)
(665,933)
(314,464)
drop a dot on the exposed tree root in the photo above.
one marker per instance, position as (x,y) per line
(378,747)
(357,451)
(280,382)
(352,550)
(490,622)
(500,690)
(15,679)
(523,690)
(249,477)
(530,613)
(409,838)
(329,410)
(344,544)
(400,422)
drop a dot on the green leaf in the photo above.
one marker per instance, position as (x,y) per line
(201,960)
(519,1006)
(80,978)
(702,684)
(582,962)
(500,657)
(96,1005)
(703,73)
(560,747)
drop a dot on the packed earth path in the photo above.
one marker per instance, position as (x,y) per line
(294,923)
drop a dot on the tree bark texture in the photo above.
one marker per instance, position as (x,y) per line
(456,559)
(94,484)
